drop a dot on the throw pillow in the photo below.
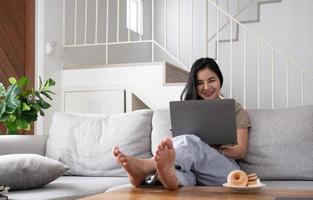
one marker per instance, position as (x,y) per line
(161,127)
(28,171)
(280,144)
(84,142)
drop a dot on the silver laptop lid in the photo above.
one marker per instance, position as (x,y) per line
(214,121)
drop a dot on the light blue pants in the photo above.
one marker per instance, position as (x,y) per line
(199,164)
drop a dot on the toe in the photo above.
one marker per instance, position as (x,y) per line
(121,158)
(158,152)
(160,147)
(163,143)
(169,143)
(114,150)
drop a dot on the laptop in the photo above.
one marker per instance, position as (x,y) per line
(214,121)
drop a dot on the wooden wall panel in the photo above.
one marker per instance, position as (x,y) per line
(17,40)
(15,18)
(10,30)
(30,40)
(11,53)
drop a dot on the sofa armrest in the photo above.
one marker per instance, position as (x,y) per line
(16,144)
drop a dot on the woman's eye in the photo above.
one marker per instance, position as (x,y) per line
(199,83)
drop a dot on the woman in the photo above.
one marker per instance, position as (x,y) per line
(186,160)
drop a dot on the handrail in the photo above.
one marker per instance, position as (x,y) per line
(260,38)
(273,53)
(236,15)
(169,54)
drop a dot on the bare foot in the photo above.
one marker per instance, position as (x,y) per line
(164,163)
(137,169)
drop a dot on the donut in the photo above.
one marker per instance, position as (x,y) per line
(252,183)
(237,178)
(250,179)
(252,175)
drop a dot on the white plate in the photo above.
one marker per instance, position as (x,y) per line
(249,188)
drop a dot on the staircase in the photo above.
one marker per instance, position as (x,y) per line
(150,85)
(228,42)
(245,11)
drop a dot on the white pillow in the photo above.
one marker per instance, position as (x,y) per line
(84,141)
(161,127)
(28,171)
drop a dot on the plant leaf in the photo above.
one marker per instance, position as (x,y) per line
(21,124)
(25,107)
(2,90)
(22,82)
(2,108)
(12,129)
(43,104)
(50,82)
(42,113)
(37,94)
(48,91)
(46,95)
(30,116)
(40,83)
(12,80)
(11,98)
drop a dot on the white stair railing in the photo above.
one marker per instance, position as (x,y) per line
(239,11)
(274,53)
(177,58)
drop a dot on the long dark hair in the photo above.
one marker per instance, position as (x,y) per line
(190,91)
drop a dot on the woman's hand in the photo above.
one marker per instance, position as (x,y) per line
(239,150)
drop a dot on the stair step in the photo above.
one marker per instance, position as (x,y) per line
(175,75)
(252,16)
(137,103)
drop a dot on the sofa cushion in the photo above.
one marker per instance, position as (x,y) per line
(34,144)
(161,123)
(69,188)
(281,144)
(27,171)
(84,142)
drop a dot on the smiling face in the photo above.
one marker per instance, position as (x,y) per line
(208,84)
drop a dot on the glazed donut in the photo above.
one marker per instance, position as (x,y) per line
(237,178)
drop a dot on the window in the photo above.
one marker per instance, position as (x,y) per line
(134,16)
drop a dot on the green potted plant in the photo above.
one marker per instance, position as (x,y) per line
(19,105)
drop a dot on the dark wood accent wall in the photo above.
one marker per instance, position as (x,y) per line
(30,40)
(17,40)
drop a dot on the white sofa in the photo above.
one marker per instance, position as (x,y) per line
(280,149)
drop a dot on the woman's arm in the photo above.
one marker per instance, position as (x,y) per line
(237,151)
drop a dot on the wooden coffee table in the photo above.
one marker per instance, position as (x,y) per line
(187,193)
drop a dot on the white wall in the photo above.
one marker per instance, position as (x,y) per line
(144,80)
(49,28)
(289,27)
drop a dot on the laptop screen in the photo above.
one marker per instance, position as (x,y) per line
(214,121)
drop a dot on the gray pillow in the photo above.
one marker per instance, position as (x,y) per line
(161,127)
(280,144)
(28,171)
(84,141)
